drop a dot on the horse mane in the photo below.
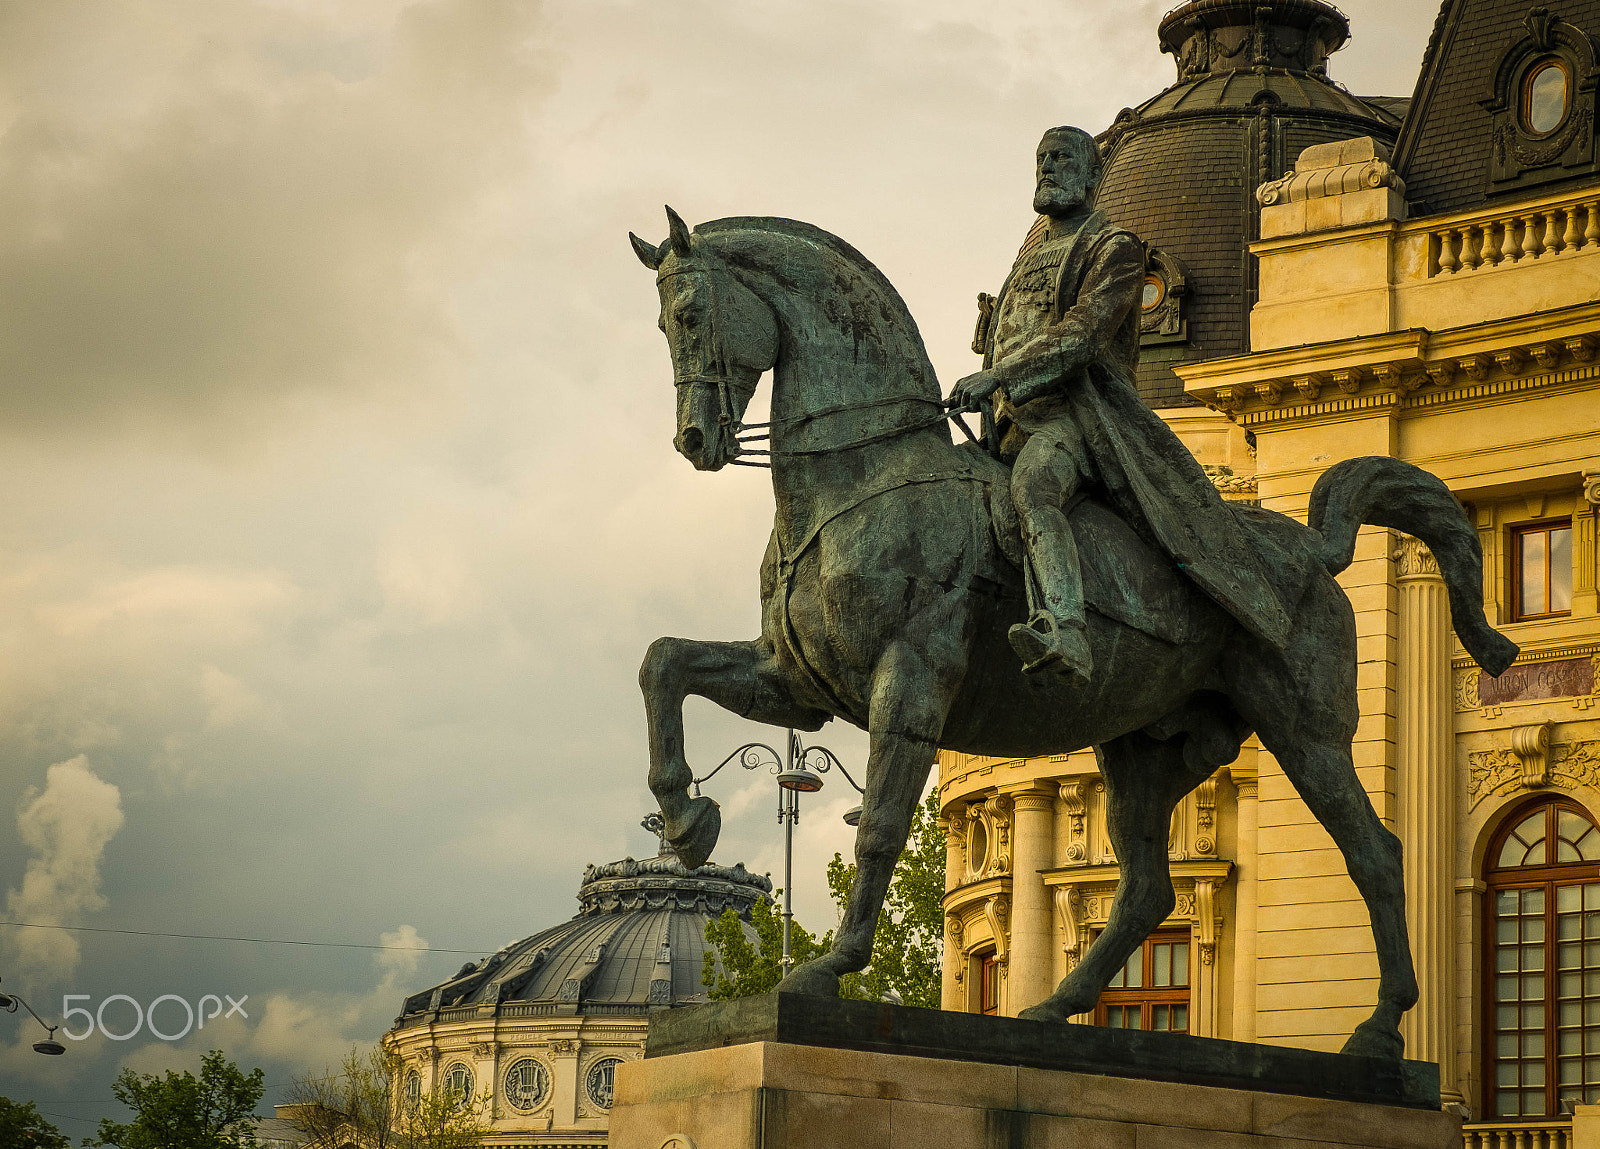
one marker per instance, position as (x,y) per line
(810,233)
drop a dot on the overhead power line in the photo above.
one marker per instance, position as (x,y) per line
(255,941)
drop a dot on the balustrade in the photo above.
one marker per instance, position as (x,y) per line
(1518,1135)
(1547,233)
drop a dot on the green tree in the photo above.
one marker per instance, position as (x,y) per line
(907,948)
(180,1111)
(735,968)
(364,1104)
(22,1127)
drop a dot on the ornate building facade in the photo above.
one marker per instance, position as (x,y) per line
(541,1026)
(1431,294)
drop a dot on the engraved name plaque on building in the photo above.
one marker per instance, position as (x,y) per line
(1566,678)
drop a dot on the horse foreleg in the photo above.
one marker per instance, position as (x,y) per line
(910,698)
(739,676)
(1144,780)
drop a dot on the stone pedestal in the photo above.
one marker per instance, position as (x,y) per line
(796,1073)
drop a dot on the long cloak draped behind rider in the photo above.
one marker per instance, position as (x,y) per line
(1082,367)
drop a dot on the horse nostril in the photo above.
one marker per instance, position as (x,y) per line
(691,441)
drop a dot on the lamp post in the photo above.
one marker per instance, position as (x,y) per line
(50,1046)
(798,771)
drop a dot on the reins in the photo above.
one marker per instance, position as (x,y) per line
(839,409)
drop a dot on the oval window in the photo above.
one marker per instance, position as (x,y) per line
(1154,292)
(1544,105)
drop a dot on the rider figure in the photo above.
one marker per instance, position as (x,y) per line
(1061,347)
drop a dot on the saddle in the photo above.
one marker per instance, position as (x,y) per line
(1124,578)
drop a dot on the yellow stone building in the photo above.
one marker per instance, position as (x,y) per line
(1438,301)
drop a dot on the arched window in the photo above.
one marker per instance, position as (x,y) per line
(1543,962)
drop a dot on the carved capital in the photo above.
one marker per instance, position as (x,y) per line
(484,1050)
(1546,355)
(1413,559)
(1309,386)
(1591,487)
(1270,392)
(1513,360)
(1348,380)
(1228,399)
(564,1047)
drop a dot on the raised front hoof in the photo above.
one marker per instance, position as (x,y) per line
(694,836)
(813,979)
(1374,1038)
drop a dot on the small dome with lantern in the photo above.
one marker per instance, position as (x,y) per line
(541,1024)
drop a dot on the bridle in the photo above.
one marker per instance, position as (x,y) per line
(726,386)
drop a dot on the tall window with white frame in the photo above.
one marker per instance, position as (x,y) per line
(1542,962)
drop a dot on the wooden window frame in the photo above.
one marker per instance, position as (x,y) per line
(988,963)
(1518,533)
(1148,996)
(1546,876)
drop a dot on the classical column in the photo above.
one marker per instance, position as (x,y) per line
(1586,526)
(1427,804)
(952,990)
(1245,903)
(1031,974)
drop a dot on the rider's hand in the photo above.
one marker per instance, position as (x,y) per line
(972,390)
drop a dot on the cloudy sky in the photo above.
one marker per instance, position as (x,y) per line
(337,497)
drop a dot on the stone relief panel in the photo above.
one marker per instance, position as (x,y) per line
(1531,762)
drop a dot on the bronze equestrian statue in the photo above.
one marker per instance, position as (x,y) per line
(895,575)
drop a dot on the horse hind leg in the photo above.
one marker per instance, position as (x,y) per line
(739,676)
(1145,779)
(1325,777)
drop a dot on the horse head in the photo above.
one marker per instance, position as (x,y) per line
(722,338)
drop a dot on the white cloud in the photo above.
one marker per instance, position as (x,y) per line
(66,826)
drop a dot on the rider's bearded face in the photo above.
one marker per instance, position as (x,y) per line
(1063,175)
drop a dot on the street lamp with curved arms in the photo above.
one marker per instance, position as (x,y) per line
(798,772)
(9,1003)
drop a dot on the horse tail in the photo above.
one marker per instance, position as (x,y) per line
(1384,492)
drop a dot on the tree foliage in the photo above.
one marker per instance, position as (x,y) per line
(735,968)
(363,1104)
(22,1127)
(181,1111)
(908,946)
(907,949)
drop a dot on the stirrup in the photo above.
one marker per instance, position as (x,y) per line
(1043,643)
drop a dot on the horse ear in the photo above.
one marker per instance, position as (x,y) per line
(680,232)
(645,251)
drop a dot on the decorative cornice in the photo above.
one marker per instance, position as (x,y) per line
(1542,654)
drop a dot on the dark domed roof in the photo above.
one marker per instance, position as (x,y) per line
(638,941)
(1182,168)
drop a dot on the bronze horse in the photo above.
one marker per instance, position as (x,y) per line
(892,576)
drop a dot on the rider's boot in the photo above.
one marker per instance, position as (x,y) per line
(1061,646)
